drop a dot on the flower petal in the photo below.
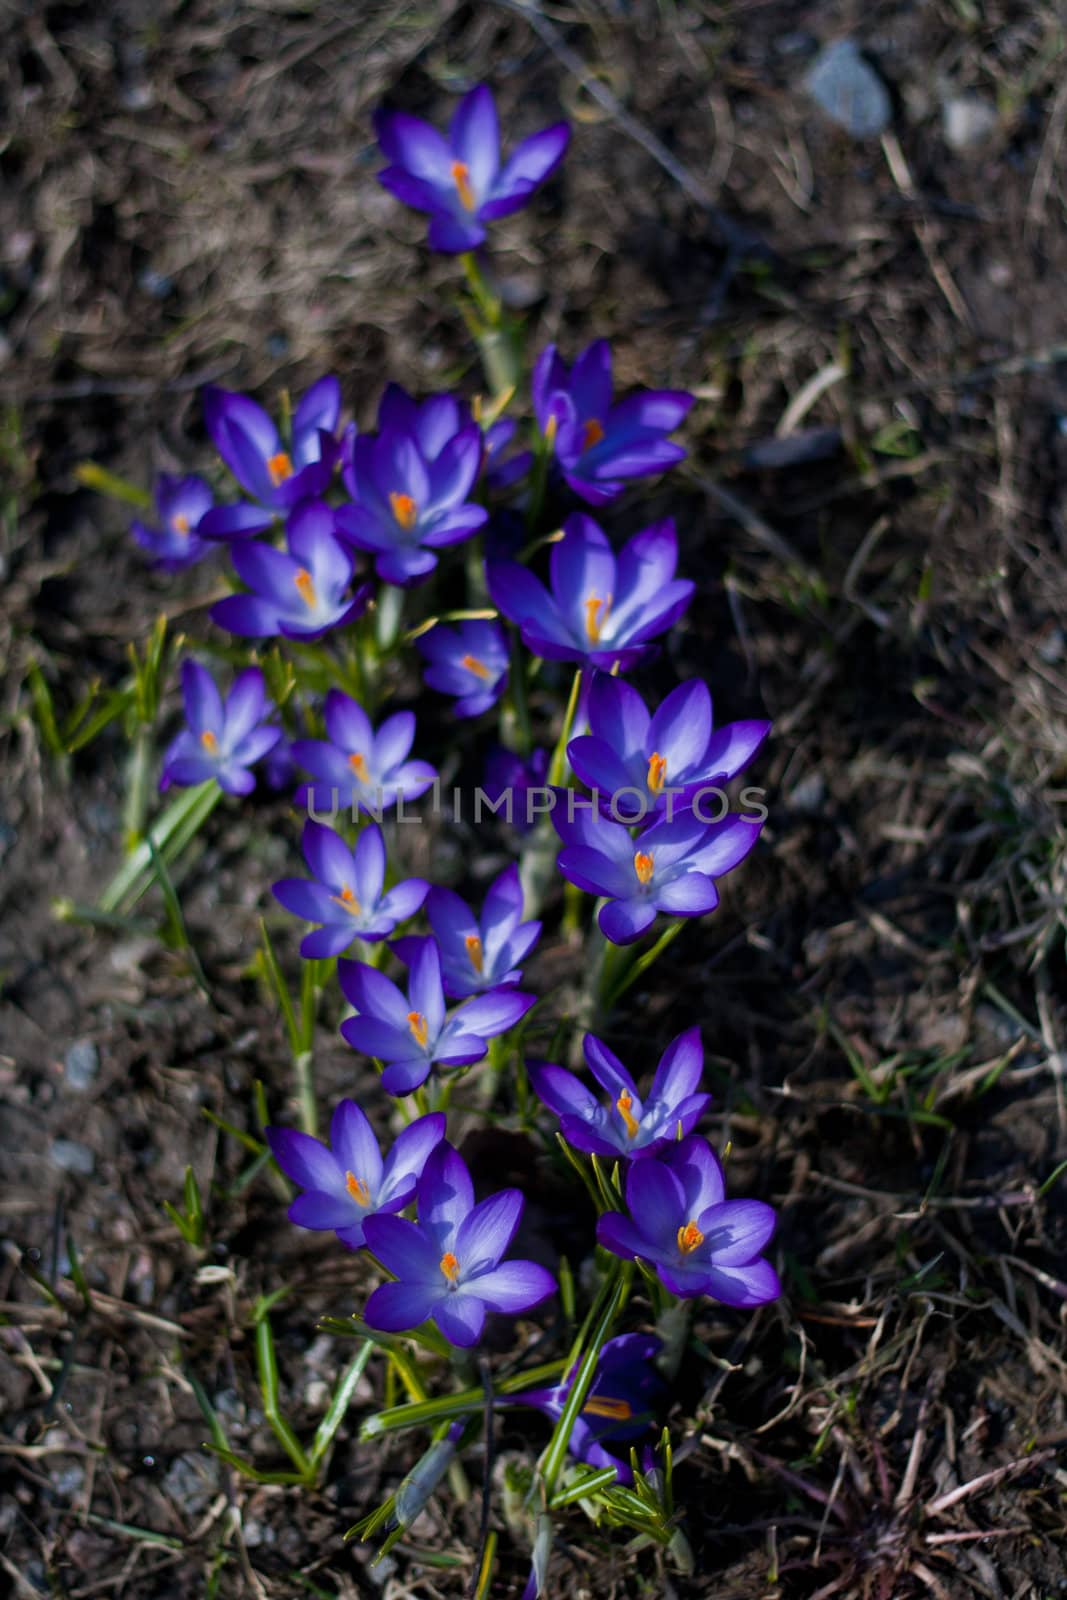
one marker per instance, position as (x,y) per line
(461,1318)
(304,1159)
(514,1286)
(485,1234)
(396,1307)
(354,1145)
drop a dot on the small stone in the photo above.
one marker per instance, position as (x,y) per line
(192,1483)
(68,1480)
(967,121)
(1051,647)
(849,90)
(70,1156)
(81,1064)
(809,794)
(257,1533)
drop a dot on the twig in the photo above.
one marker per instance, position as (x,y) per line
(986,1480)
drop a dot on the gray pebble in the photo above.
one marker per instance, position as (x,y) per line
(81,1064)
(968,120)
(849,90)
(70,1156)
(192,1482)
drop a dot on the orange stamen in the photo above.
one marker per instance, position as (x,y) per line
(643,866)
(280,467)
(472,664)
(622,1106)
(404,510)
(357,1189)
(358,762)
(461,177)
(419,1031)
(474,951)
(348,900)
(180,523)
(209,741)
(306,588)
(689,1237)
(551,427)
(592,433)
(601,1405)
(657,771)
(594,622)
(449,1266)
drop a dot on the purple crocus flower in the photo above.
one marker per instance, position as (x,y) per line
(681,1223)
(671,867)
(602,609)
(180,505)
(477,954)
(469,661)
(357,766)
(459,181)
(619,1405)
(411,1032)
(627,1126)
(654,763)
(223,739)
(408,505)
(347,1182)
(276,477)
(508,781)
(599,446)
(448,1266)
(345,891)
(302,594)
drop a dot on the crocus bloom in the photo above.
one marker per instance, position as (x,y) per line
(459,181)
(223,739)
(448,1266)
(180,505)
(627,1126)
(357,766)
(681,1223)
(408,504)
(671,867)
(275,476)
(652,763)
(345,891)
(347,1182)
(508,782)
(411,1032)
(601,609)
(470,661)
(618,1406)
(302,594)
(483,953)
(599,445)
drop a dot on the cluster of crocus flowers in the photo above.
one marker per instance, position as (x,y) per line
(430,476)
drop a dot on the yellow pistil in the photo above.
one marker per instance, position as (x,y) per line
(405,511)
(449,1266)
(209,741)
(657,771)
(461,177)
(474,951)
(689,1237)
(180,524)
(358,762)
(601,1405)
(551,428)
(280,467)
(306,588)
(594,621)
(643,865)
(472,664)
(357,1189)
(348,900)
(419,1031)
(622,1106)
(592,433)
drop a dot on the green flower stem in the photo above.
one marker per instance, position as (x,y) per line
(556,1452)
(623,970)
(466,1402)
(170,834)
(559,766)
(138,786)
